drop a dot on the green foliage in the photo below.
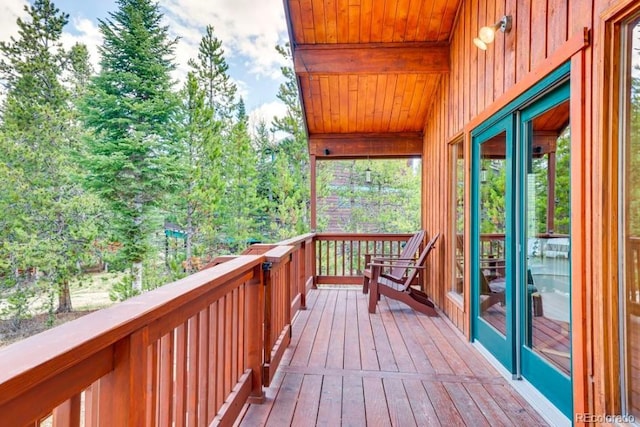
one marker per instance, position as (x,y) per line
(389,203)
(132,161)
(48,219)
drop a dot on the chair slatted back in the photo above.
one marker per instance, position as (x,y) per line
(409,252)
(413,272)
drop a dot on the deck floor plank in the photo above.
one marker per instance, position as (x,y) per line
(285,403)
(377,413)
(306,410)
(423,411)
(398,403)
(335,353)
(396,367)
(353,409)
(396,341)
(330,410)
(351,335)
(320,349)
(368,355)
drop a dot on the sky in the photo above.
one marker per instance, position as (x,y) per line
(249,31)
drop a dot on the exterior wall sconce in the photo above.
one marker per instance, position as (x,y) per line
(483,175)
(486,35)
(367,175)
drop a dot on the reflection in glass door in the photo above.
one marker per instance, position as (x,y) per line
(521,239)
(545,258)
(491,236)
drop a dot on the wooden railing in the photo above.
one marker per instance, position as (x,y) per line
(340,256)
(191,352)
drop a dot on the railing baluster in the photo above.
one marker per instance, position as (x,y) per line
(203,366)
(68,413)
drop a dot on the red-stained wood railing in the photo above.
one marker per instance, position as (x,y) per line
(632,263)
(340,256)
(189,353)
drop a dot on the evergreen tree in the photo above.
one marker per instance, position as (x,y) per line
(199,198)
(211,70)
(241,205)
(48,217)
(129,107)
(291,160)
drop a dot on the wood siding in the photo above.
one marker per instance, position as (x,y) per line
(480,83)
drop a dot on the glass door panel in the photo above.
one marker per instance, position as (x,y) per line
(491,237)
(545,275)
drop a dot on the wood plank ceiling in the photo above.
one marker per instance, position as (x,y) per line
(367,71)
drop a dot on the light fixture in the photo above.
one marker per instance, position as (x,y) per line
(486,35)
(367,175)
(483,174)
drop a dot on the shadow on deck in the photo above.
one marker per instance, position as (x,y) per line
(347,367)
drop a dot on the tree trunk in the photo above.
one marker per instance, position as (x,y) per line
(64,298)
(136,272)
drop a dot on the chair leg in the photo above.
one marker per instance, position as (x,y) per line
(365,285)
(373,297)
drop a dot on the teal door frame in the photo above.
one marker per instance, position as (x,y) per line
(511,350)
(545,377)
(501,346)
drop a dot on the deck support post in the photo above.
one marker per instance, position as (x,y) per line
(255,340)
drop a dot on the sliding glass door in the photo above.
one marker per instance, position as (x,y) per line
(521,240)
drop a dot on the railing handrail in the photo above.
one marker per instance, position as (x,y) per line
(296,240)
(364,236)
(31,361)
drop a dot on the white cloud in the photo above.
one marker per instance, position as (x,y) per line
(247,28)
(10,11)
(266,112)
(87,33)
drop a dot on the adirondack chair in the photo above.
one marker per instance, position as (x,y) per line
(408,254)
(400,289)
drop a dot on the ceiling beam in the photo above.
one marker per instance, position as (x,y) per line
(372,58)
(363,145)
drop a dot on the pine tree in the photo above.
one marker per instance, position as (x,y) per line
(241,205)
(291,160)
(211,70)
(199,136)
(130,106)
(47,215)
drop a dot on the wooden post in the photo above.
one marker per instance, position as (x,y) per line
(302,275)
(68,414)
(124,392)
(255,343)
(314,194)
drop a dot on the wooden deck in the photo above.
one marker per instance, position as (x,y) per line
(397,367)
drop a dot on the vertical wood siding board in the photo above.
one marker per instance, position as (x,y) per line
(556,24)
(362,94)
(397,105)
(474,77)
(481,55)
(510,45)
(538,32)
(353,104)
(498,55)
(489,58)
(466,62)
(523,42)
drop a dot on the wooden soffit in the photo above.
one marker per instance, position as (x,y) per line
(367,71)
